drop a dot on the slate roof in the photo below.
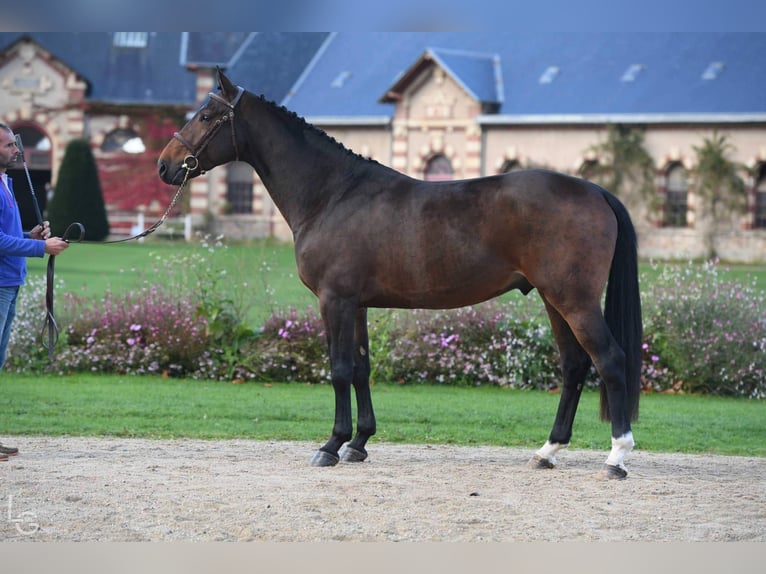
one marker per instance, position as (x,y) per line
(211,49)
(269,63)
(120,74)
(586,73)
(159,73)
(347,77)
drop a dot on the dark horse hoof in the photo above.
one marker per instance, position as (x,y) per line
(539,462)
(349,454)
(612,472)
(323,458)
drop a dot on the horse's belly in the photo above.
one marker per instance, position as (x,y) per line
(448,294)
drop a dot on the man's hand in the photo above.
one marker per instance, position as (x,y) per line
(41,231)
(55,245)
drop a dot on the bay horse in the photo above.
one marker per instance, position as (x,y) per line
(367,236)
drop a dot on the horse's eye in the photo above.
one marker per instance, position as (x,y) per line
(204,118)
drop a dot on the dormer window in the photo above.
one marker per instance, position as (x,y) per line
(632,72)
(340,79)
(130,39)
(549,74)
(713,70)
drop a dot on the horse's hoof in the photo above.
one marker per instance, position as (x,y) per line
(349,454)
(612,472)
(539,462)
(324,458)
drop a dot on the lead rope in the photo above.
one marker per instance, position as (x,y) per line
(50,330)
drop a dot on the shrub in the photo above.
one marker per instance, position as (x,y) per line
(25,350)
(484,344)
(146,331)
(468,346)
(704,333)
(78,195)
(291,347)
(220,301)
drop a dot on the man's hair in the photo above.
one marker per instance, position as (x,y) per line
(5,127)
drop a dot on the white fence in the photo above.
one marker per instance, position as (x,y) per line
(124,224)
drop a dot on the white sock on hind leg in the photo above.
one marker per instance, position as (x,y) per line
(620,447)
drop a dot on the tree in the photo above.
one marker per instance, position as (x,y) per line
(624,167)
(78,196)
(720,189)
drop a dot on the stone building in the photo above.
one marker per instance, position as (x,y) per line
(432,105)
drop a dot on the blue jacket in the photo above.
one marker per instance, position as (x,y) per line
(15,247)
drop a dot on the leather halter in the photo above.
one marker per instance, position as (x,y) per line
(194,151)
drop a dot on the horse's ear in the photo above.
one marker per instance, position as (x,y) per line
(225,85)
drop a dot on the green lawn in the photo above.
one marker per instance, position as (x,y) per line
(90,269)
(155,407)
(266,267)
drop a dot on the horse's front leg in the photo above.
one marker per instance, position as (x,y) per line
(338,317)
(365,426)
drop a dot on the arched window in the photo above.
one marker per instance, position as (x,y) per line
(759,220)
(439,168)
(37,147)
(239,191)
(123,139)
(676,196)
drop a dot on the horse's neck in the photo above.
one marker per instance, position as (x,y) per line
(297,167)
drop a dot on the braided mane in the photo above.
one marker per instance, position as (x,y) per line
(301,121)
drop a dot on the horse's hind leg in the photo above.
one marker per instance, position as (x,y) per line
(365,426)
(575,363)
(591,330)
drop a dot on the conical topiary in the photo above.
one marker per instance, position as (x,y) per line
(78,196)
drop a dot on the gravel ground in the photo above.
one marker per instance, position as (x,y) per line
(108,489)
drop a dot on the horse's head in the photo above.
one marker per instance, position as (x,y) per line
(208,139)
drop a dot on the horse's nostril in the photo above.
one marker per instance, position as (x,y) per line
(162,169)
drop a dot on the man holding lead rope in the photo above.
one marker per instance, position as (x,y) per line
(15,247)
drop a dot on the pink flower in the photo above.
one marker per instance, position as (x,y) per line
(447,340)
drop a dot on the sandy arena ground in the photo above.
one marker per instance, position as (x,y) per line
(106,489)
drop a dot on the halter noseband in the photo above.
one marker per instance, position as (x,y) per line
(227,117)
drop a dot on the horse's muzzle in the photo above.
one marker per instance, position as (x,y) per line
(168,176)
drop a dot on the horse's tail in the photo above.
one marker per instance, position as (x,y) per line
(622,309)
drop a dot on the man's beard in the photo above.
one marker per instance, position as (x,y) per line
(10,164)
